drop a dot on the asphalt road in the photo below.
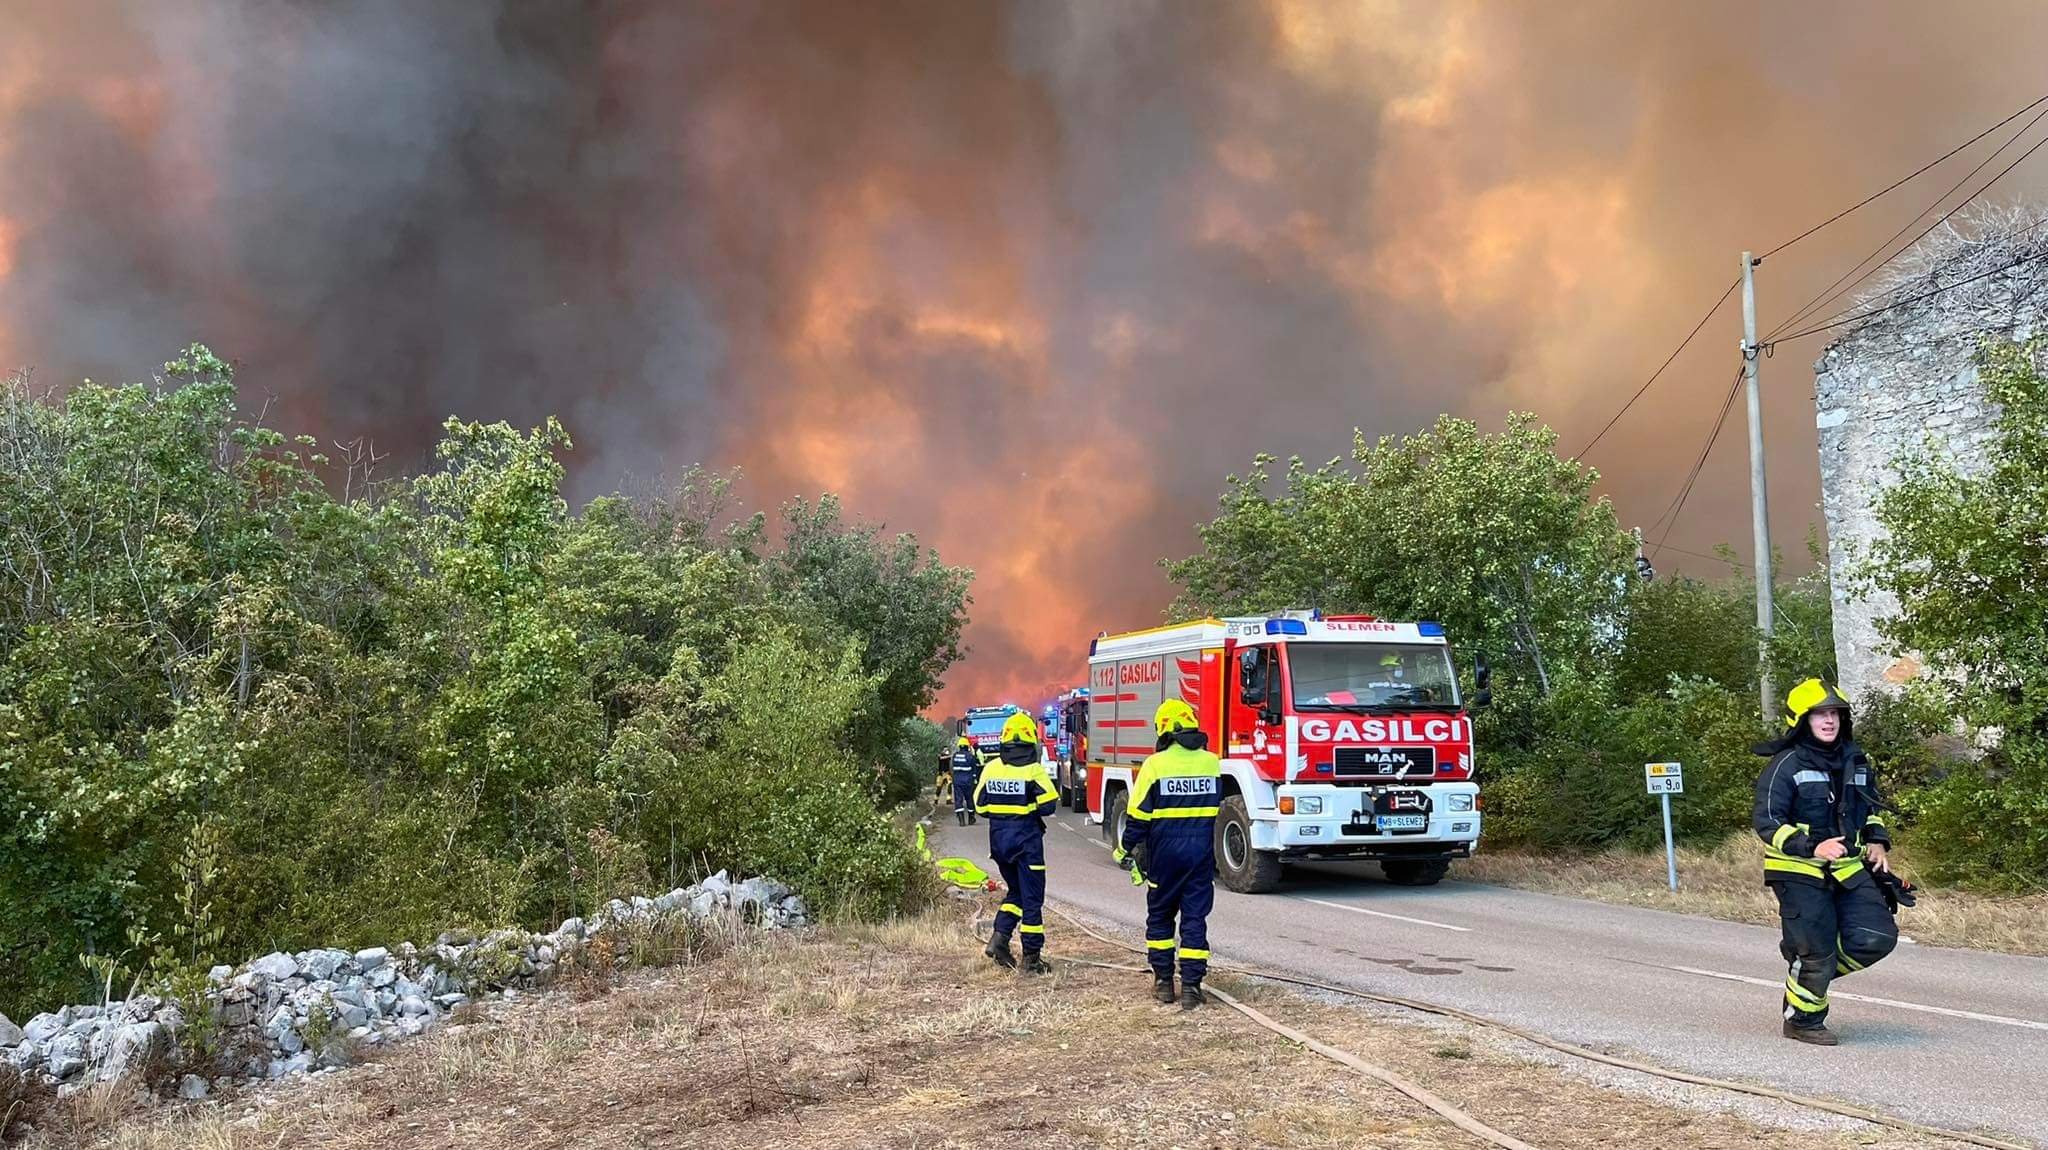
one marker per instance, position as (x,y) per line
(1953,1038)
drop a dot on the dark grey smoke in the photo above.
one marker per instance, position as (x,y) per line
(1026,278)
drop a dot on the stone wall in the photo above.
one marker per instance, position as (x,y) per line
(291,1014)
(1906,379)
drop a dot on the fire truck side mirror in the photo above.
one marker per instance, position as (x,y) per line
(1480,698)
(1251,685)
(1482,675)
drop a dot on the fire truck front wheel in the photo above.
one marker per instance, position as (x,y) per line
(1114,803)
(1241,868)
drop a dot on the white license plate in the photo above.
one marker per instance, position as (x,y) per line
(1401,822)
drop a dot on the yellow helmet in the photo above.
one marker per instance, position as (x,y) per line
(1390,659)
(1810,696)
(1019,728)
(1174,715)
(965,741)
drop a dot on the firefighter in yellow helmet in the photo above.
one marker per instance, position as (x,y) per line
(1822,824)
(1169,832)
(965,767)
(1015,796)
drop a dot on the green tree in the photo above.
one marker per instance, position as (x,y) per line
(906,607)
(1493,535)
(1966,555)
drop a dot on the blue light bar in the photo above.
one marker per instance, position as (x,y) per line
(1432,630)
(1286,627)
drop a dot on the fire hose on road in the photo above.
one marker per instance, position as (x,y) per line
(1466,1121)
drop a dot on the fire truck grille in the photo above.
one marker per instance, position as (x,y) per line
(1383,762)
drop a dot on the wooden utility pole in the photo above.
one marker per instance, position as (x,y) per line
(1760,512)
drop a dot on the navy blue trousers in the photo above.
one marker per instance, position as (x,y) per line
(1180,884)
(1019,854)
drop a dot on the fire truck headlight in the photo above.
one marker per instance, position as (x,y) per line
(1308,804)
(1461,802)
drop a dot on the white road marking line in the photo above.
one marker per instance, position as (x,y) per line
(2000,1019)
(1383,914)
(1084,835)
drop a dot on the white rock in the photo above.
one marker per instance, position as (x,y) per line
(192,1088)
(132,1044)
(290,1042)
(413,1004)
(219,975)
(275,966)
(383,976)
(299,1063)
(373,957)
(42,1028)
(10,1034)
(570,928)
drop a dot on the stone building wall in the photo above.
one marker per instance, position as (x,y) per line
(1905,379)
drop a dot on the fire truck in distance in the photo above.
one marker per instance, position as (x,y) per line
(1066,733)
(983,728)
(1342,737)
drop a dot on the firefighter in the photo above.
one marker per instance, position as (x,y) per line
(1818,813)
(966,766)
(1015,797)
(1169,834)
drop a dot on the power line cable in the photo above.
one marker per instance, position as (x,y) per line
(1865,202)
(1904,180)
(1838,288)
(1725,293)
(1670,517)
(1929,294)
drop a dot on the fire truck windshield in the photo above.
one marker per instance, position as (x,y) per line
(1348,676)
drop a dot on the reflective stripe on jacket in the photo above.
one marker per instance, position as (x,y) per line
(1175,795)
(1807,796)
(1014,792)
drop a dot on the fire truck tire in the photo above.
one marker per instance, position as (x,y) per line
(1113,803)
(1415,872)
(1241,868)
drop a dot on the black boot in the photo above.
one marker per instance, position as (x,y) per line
(999,949)
(970,818)
(1191,996)
(1815,1035)
(1033,964)
(960,817)
(1162,989)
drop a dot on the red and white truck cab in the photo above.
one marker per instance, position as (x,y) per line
(1342,737)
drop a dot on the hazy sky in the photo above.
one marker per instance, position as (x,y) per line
(1027,280)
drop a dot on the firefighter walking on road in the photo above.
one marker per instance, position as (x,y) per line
(966,767)
(1825,855)
(1015,796)
(1169,834)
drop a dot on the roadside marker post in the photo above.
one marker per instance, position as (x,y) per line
(1665,780)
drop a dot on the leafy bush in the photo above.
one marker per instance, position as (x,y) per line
(398,705)
(1967,559)
(1578,782)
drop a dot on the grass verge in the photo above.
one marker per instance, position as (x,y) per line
(902,1036)
(1727,882)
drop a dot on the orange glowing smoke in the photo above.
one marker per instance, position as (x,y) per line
(1024,280)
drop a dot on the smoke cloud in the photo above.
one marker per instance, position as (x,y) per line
(1026,279)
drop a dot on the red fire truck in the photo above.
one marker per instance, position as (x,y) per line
(1342,737)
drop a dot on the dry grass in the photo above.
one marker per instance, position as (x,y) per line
(1727,883)
(902,1036)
